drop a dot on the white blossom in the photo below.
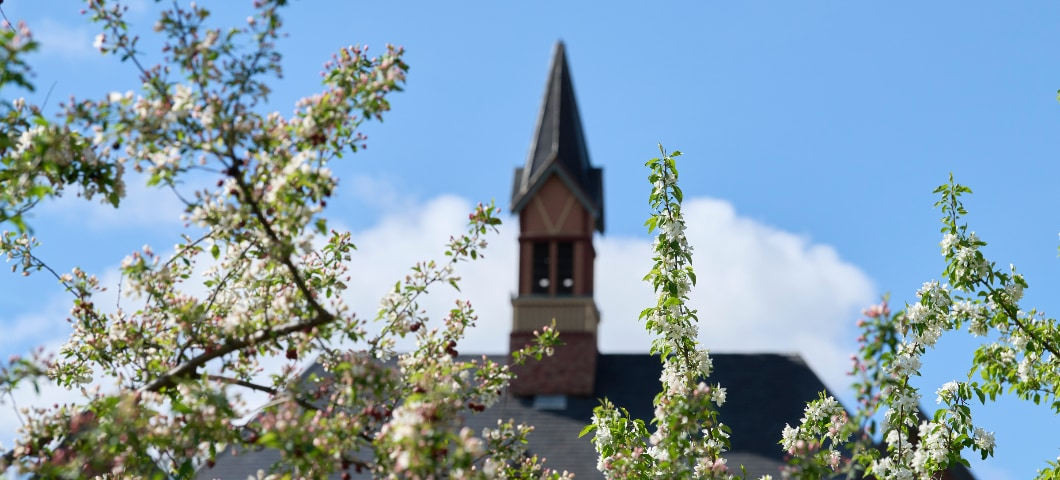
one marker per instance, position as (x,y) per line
(984,439)
(949,241)
(717,395)
(947,391)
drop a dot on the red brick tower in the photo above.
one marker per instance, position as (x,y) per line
(558,196)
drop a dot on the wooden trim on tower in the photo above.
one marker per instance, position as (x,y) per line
(550,226)
(529,237)
(571,313)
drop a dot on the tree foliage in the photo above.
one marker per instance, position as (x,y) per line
(1018,355)
(688,440)
(171,363)
(161,373)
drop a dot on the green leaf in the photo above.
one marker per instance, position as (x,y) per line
(269,439)
(186,470)
(652,223)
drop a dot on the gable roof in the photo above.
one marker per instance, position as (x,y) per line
(558,147)
(766,391)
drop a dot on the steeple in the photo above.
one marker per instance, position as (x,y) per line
(558,196)
(558,146)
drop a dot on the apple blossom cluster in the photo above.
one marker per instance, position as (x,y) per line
(18,194)
(917,447)
(688,440)
(1023,359)
(163,373)
(39,158)
(828,441)
(819,438)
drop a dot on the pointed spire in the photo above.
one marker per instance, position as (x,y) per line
(559,146)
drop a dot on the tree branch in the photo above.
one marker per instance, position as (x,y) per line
(188,368)
(1010,311)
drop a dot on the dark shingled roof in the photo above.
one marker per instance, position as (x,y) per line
(559,147)
(765,391)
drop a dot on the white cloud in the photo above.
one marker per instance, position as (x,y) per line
(137,7)
(398,241)
(48,329)
(28,396)
(64,41)
(37,327)
(65,34)
(760,289)
(142,207)
(386,252)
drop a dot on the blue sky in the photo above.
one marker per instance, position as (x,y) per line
(814,133)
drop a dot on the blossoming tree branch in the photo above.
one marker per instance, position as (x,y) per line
(168,365)
(1020,356)
(161,374)
(688,440)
